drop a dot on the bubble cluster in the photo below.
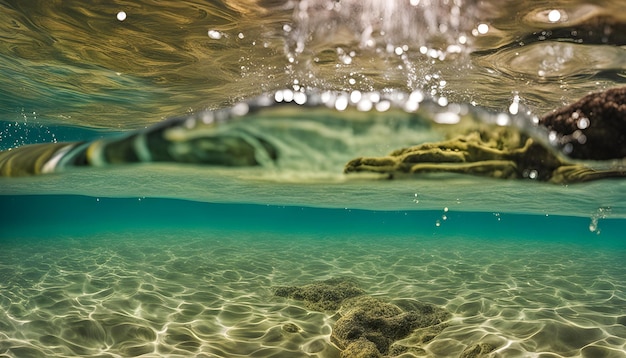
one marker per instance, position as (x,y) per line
(408,38)
(26,131)
(601,213)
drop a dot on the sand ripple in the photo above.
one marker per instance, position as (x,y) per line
(208,294)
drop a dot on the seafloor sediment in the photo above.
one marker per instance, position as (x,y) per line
(208,294)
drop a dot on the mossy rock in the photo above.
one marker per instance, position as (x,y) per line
(382,323)
(368,326)
(322,296)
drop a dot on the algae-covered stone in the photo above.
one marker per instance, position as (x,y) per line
(592,128)
(321,296)
(361,348)
(368,326)
(501,152)
(380,322)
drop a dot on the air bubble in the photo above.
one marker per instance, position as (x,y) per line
(355,96)
(503,119)
(121,16)
(601,213)
(215,35)
(482,29)
(341,103)
(383,106)
(364,105)
(554,16)
(345,59)
(514,107)
(583,122)
(300,98)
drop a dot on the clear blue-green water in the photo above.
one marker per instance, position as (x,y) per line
(87,276)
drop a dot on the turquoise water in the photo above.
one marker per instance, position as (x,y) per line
(110,277)
(94,215)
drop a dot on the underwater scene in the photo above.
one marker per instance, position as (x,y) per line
(313,178)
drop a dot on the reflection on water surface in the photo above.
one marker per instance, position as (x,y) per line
(71,63)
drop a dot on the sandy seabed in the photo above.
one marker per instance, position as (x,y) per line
(208,294)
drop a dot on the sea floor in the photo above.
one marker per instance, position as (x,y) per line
(208,293)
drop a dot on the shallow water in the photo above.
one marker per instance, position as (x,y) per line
(130,277)
(171,260)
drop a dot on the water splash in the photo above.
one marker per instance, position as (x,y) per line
(601,213)
(408,37)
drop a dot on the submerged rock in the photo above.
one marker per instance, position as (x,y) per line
(594,127)
(381,323)
(368,326)
(502,153)
(322,296)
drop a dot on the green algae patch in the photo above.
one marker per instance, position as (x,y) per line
(367,326)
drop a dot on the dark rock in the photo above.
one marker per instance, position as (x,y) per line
(594,127)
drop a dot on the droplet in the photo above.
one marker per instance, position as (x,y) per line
(341,103)
(215,35)
(514,107)
(583,123)
(482,28)
(355,96)
(554,16)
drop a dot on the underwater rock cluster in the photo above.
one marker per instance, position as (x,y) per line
(593,128)
(368,326)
